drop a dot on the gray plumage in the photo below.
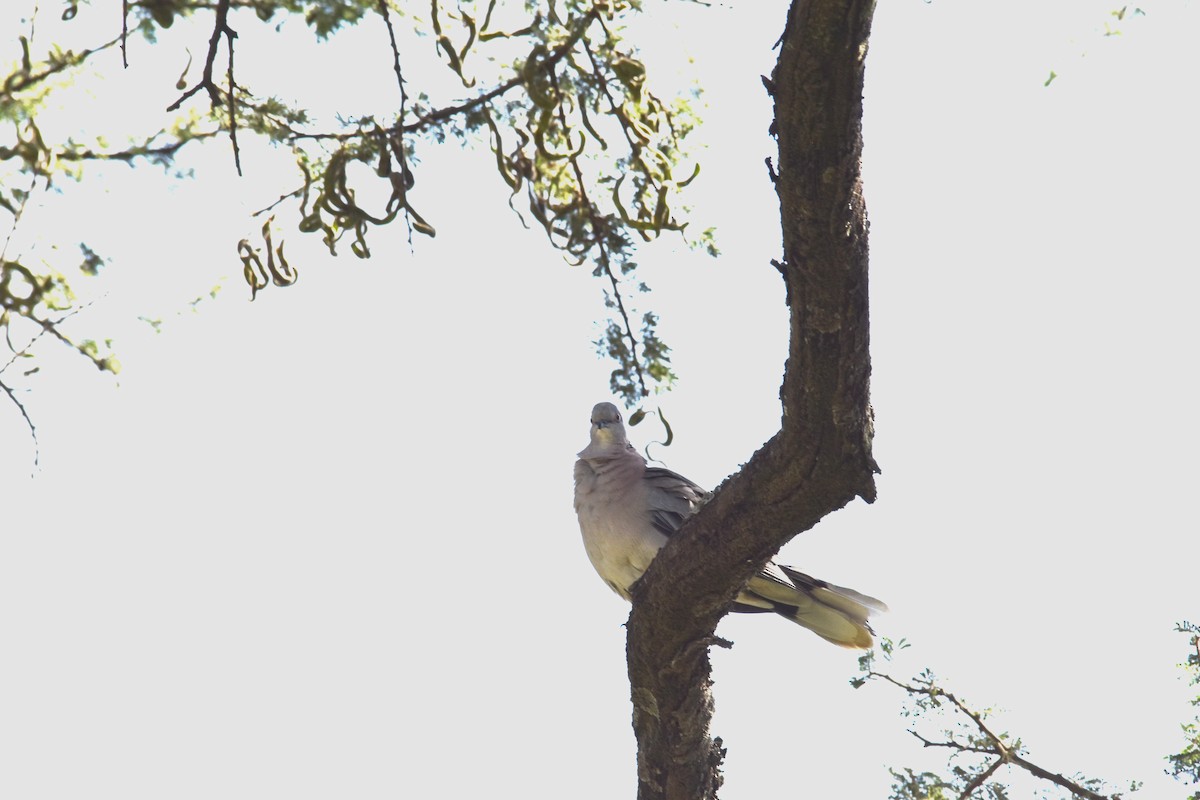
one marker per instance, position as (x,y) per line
(627,510)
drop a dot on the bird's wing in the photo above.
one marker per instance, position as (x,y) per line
(671,498)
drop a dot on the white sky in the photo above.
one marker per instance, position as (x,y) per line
(323,545)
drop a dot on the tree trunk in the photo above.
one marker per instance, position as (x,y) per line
(821,458)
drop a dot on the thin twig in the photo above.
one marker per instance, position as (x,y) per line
(604,260)
(17,216)
(282,198)
(978,780)
(124,33)
(237,153)
(33,21)
(387,20)
(37,451)
(220,27)
(952,745)
(48,326)
(398,147)
(1057,778)
(978,720)
(162,151)
(612,277)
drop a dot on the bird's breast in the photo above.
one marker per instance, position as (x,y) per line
(618,536)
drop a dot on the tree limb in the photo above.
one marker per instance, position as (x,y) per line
(821,458)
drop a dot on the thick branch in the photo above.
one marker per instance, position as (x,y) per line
(821,458)
(818,117)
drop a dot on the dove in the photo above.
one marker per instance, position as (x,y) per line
(627,510)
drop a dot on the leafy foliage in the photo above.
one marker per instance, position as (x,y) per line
(588,151)
(1185,765)
(976,751)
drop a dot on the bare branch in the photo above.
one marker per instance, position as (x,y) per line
(47,326)
(28,422)
(398,145)
(128,155)
(387,20)
(220,28)
(124,34)
(1057,778)
(282,198)
(1001,749)
(979,779)
(17,214)
(951,744)
(230,35)
(606,265)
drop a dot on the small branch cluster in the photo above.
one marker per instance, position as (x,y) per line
(219,98)
(1185,765)
(44,325)
(977,752)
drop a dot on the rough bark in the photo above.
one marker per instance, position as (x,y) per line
(820,459)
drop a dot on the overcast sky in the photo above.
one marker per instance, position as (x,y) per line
(323,544)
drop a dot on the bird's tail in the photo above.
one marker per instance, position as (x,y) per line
(834,613)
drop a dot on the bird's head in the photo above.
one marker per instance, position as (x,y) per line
(608,429)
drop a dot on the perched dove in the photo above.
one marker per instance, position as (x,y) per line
(627,510)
